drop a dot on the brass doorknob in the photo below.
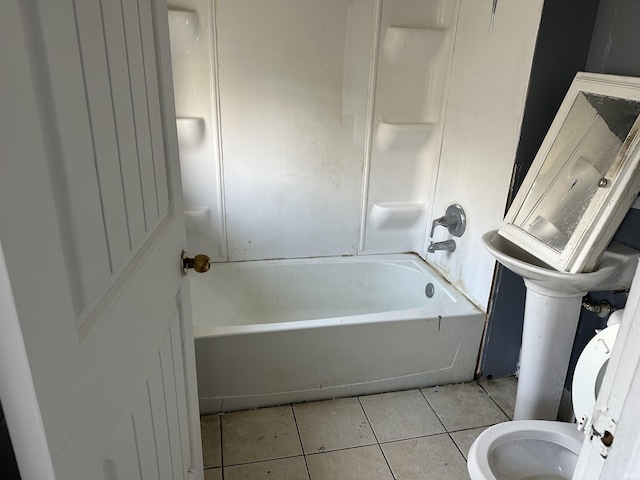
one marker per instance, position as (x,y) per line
(200,263)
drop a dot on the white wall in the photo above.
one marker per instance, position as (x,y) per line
(293,97)
(489,78)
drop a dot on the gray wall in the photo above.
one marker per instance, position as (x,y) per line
(615,49)
(562,49)
(601,37)
(616,39)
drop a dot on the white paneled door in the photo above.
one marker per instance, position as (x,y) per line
(97,373)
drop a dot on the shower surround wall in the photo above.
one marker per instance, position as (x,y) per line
(414,44)
(293,103)
(194,81)
(343,127)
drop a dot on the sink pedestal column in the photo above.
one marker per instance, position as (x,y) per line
(551,317)
(550,323)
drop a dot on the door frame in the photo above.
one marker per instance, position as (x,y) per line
(17,391)
(616,406)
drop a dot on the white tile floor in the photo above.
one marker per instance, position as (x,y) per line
(409,435)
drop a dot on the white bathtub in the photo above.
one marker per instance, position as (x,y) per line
(283,331)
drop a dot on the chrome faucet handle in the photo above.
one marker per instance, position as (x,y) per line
(454,219)
(440,221)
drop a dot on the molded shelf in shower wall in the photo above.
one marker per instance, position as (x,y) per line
(396,215)
(184,30)
(403,136)
(190,131)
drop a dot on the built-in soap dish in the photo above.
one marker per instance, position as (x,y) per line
(184,30)
(197,219)
(190,131)
(396,215)
(403,136)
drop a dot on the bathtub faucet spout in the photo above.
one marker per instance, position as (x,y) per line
(447,245)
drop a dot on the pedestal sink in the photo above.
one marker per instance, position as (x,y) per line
(551,315)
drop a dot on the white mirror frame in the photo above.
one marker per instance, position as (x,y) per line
(609,205)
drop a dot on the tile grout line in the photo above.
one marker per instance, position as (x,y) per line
(252,462)
(494,401)
(454,442)
(375,435)
(441,422)
(213,467)
(447,429)
(416,437)
(421,390)
(393,475)
(342,449)
(304,455)
(221,447)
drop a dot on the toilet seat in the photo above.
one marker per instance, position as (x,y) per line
(589,371)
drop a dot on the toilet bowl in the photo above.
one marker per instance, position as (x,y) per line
(526,449)
(542,449)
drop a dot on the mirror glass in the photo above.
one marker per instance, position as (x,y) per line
(585,156)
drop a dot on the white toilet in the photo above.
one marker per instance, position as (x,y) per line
(541,449)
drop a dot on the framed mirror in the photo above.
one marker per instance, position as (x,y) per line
(584,178)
